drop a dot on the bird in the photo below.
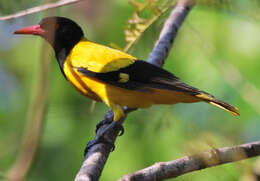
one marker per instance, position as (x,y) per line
(112,76)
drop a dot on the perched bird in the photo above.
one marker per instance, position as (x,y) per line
(112,76)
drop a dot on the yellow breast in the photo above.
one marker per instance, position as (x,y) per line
(82,85)
(96,58)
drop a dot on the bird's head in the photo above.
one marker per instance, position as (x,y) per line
(60,32)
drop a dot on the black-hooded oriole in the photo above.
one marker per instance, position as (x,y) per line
(112,76)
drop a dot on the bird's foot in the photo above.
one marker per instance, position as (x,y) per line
(107,120)
(98,140)
(102,138)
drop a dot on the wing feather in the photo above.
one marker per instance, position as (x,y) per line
(143,76)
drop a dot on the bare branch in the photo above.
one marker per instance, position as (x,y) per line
(97,155)
(169,32)
(39,9)
(187,164)
(35,121)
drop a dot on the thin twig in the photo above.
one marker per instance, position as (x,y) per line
(35,120)
(97,155)
(39,9)
(169,32)
(34,125)
(187,164)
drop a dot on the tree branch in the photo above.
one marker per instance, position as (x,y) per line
(39,9)
(97,155)
(187,164)
(169,32)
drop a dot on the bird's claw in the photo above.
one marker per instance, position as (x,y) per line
(107,120)
(102,123)
(101,137)
(98,140)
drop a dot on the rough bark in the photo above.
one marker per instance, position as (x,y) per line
(187,164)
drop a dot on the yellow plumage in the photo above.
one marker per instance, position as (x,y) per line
(102,59)
(112,76)
(98,58)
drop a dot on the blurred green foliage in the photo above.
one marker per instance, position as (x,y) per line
(208,40)
(7,6)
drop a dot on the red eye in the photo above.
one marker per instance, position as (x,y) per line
(57,26)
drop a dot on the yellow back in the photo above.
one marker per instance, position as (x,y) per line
(98,58)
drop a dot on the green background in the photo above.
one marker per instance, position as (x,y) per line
(216,50)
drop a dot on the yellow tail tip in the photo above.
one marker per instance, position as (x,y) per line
(233,110)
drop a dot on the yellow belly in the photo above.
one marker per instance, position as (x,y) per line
(76,80)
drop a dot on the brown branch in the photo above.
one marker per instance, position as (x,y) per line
(39,9)
(35,118)
(97,155)
(35,121)
(187,164)
(169,32)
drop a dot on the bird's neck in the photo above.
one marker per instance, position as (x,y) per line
(62,50)
(61,54)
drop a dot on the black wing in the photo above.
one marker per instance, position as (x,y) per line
(142,77)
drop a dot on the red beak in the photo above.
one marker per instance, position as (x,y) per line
(31,30)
